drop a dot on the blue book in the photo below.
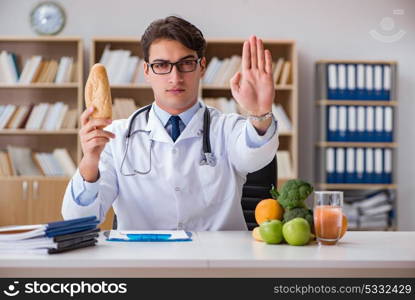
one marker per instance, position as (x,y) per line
(387,78)
(361,124)
(369,91)
(377,88)
(370,124)
(388,129)
(330,166)
(360,166)
(378,166)
(351,82)
(332,121)
(53,229)
(332,82)
(369,161)
(360,82)
(342,129)
(340,169)
(387,166)
(350,165)
(351,124)
(379,125)
(342,81)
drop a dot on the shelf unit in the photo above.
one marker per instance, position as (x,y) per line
(322,104)
(38,199)
(286,95)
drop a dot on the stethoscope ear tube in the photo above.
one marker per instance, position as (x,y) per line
(206,132)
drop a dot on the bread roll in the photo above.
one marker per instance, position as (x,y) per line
(98,93)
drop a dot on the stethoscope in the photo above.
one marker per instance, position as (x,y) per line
(208,158)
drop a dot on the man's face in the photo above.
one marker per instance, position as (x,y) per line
(177,91)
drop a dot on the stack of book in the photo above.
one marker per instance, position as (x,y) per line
(122,108)
(220,71)
(359,81)
(50,238)
(359,124)
(358,165)
(122,67)
(36,69)
(20,161)
(372,210)
(42,116)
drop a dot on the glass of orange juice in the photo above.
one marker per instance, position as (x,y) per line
(328,216)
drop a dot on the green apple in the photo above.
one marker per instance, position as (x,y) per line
(271,231)
(297,232)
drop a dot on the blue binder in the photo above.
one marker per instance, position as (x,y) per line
(387,79)
(360,82)
(332,126)
(332,85)
(351,124)
(350,165)
(378,166)
(340,165)
(360,165)
(379,125)
(388,116)
(351,82)
(370,124)
(369,168)
(387,166)
(330,165)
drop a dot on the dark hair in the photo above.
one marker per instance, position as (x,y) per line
(173,28)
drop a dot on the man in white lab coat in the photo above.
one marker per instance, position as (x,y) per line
(160,180)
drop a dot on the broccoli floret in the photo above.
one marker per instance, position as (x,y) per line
(293,193)
(299,212)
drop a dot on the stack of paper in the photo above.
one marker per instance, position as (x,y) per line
(50,238)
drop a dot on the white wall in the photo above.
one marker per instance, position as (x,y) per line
(324,29)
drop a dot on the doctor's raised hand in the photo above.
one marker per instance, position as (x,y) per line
(253,88)
(93,140)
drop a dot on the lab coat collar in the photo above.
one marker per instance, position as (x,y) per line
(157,132)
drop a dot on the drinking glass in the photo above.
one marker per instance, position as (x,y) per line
(328,216)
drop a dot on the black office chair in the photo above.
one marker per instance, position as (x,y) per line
(255,189)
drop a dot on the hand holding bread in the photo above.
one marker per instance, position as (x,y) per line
(97,115)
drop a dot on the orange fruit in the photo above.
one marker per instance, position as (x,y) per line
(256,235)
(268,209)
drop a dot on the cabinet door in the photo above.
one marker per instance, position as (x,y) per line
(14,201)
(46,199)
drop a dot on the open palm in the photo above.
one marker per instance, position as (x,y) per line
(253,88)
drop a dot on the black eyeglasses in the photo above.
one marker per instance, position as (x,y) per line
(165,67)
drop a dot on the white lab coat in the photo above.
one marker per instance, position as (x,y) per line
(178,193)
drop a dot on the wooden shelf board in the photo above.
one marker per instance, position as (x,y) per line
(38,132)
(40,177)
(357,144)
(40,85)
(353,61)
(352,186)
(357,102)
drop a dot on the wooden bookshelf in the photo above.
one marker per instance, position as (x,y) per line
(38,199)
(286,95)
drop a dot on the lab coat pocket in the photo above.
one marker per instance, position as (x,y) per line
(211,179)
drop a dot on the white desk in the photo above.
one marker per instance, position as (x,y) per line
(226,254)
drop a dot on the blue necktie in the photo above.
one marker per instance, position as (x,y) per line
(175,129)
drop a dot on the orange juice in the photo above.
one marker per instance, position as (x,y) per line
(328,223)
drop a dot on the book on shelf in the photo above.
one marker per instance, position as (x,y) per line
(356,81)
(284,123)
(42,116)
(285,73)
(21,161)
(5,164)
(53,237)
(358,165)
(284,164)
(359,124)
(123,108)
(9,72)
(278,69)
(122,67)
(36,69)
